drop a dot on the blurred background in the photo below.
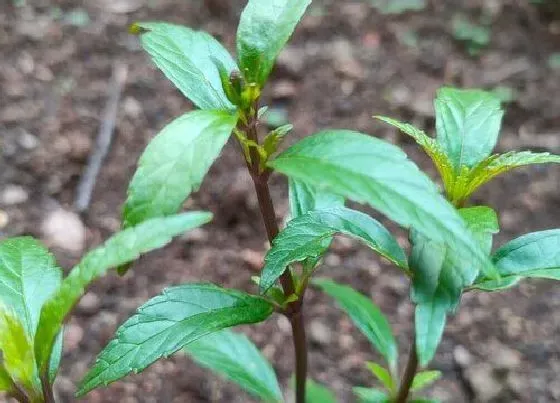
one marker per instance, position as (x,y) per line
(347,61)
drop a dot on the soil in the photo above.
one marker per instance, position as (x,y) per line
(345,63)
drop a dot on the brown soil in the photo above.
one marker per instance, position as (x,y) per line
(345,63)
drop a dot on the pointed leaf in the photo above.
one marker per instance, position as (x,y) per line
(56,356)
(424,379)
(305,235)
(495,165)
(366,316)
(534,255)
(371,395)
(234,356)
(16,351)
(264,29)
(175,163)
(168,322)
(369,170)
(467,124)
(304,198)
(483,223)
(317,393)
(430,146)
(383,375)
(186,58)
(430,319)
(439,278)
(122,248)
(28,277)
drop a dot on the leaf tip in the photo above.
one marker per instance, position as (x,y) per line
(137,29)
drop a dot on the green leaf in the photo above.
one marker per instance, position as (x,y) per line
(371,395)
(238,359)
(438,280)
(175,163)
(424,379)
(430,318)
(366,316)
(264,29)
(483,223)
(168,322)
(186,58)
(467,124)
(366,169)
(495,165)
(317,393)
(28,277)
(533,255)
(56,356)
(304,198)
(122,248)
(398,6)
(5,380)
(304,237)
(430,147)
(383,375)
(16,350)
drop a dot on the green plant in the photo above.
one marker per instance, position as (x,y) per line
(450,243)
(475,36)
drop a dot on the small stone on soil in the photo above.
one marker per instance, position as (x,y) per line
(13,194)
(64,229)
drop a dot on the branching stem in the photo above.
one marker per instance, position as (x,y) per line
(294,309)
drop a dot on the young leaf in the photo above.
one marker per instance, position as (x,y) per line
(371,395)
(238,359)
(264,29)
(366,316)
(317,393)
(304,198)
(16,352)
(430,146)
(383,375)
(168,322)
(366,169)
(174,164)
(483,223)
(186,57)
(122,248)
(424,379)
(467,124)
(28,277)
(495,165)
(305,235)
(533,255)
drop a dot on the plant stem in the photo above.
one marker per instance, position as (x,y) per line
(47,389)
(18,394)
(409,372)
(294,309)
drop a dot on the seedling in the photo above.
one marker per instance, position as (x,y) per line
(450,241)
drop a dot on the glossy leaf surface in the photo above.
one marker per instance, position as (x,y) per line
(121,248)
(168,322)
(175,163)
(186,58)
(305,236)
(264,29)
(467,124)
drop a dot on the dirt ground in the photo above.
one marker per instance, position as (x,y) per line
(345,63)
